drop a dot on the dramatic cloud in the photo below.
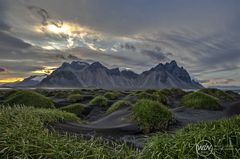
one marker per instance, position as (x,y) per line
(2,70)
(202,36)
(9,41)
(4,26)
(128,46)
(156,54)
(68,57)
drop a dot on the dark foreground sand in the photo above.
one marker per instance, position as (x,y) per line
(118,125)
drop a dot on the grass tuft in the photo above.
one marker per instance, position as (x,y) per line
(28,98)
(151,115)
(224,135)
(155,96)
(223,96)
(200,100)
(112,95)
(173,92)
(99,100)
(61,94)
(75,98)
(76,108)
(118,105)
(23,135)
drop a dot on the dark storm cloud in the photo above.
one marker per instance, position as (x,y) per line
(45,17)
(201,35)
(41,12)
(112,59)
(2,69)
(72,57)
(156,54)
(222,81)
(23,68)
(128,46)
(211,52)
(9,41)
(67,57)
(136,16)
(4,27)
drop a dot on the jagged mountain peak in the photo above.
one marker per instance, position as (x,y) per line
(97,75)
(173,63)
(129,74)
(114,71)
(96,65)
(79,63)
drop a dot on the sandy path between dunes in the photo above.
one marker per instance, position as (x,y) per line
(118,125)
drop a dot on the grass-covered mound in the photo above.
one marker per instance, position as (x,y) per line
(75,98)
(151,91)
(28,98)
(112,95)
(118,105)
(151,115)
(224,136)
(233,94)
(61,94)
(155,96)
(178,91)
(23,135)
(173,92)
(78,91)
(166,92)
(220,94)
(200,100)
(76,108)
(99,100)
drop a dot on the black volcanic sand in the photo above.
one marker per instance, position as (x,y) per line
(118,125)
(115,124)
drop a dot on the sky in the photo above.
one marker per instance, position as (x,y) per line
(37,36)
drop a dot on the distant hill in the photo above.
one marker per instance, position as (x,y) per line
(27,82)
(80,74)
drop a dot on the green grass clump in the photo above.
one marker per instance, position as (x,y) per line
(173,92)
(155,96)
(151,115)
(118,105)
(99,100)
(28,98)
(23,135)
(224,135)
(166,92)
(75,98)
(77,91)
(223,96)
(177,91)
(200,100)
(76,108)
(112,95)
(233,94)
(151,91)
(61,94)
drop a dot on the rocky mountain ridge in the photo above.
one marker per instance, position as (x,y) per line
(80,74)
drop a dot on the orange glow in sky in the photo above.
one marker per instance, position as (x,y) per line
(10,80)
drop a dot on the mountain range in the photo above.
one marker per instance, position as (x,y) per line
(31,81)
(78,74)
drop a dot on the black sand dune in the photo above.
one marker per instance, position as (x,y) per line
(189,115)
(118,125)
(233,109)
